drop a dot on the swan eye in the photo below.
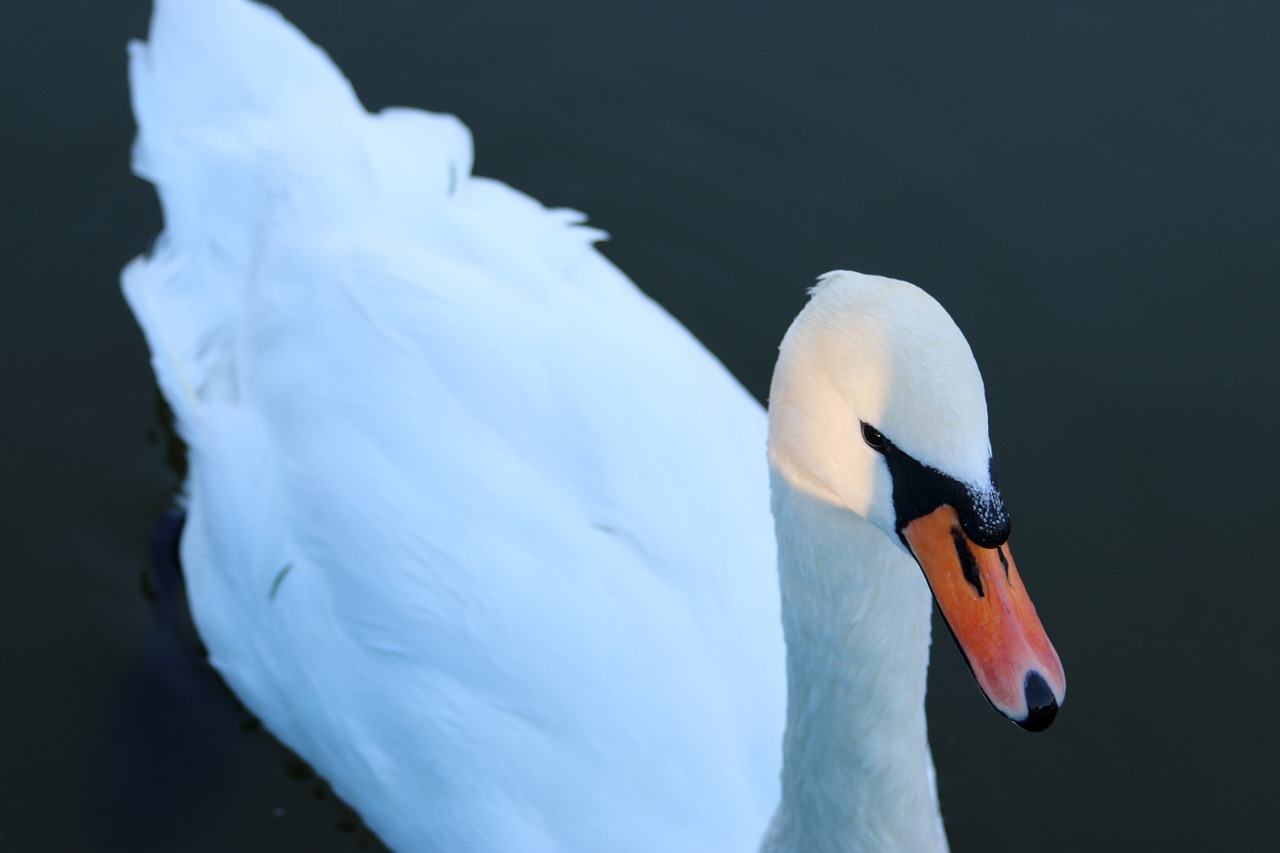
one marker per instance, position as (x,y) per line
(874,438)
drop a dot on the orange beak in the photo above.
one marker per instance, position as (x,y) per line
(987,608)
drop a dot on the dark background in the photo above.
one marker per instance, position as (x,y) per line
(1092,191)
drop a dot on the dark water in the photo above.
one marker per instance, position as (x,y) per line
(1092,191)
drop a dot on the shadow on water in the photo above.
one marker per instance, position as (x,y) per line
(172,737)
(168,737)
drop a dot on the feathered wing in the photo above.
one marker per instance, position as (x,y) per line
(474,526)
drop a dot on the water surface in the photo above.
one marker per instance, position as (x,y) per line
(1091,191)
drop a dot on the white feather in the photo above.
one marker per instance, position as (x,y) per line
(477,528)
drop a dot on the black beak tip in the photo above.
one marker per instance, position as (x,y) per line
(1042,707)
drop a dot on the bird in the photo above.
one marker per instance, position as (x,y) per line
(495,544)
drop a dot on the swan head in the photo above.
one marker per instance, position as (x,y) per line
(877,407)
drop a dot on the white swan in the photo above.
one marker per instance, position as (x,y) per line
(485,536)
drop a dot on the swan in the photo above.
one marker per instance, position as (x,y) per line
(491,541)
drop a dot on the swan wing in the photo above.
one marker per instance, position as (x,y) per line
(473,525)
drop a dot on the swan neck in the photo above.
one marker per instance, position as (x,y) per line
(857,773)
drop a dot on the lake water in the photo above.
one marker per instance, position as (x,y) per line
(1092,191)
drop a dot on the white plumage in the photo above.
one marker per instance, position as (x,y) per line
(477,528)
(455,442)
